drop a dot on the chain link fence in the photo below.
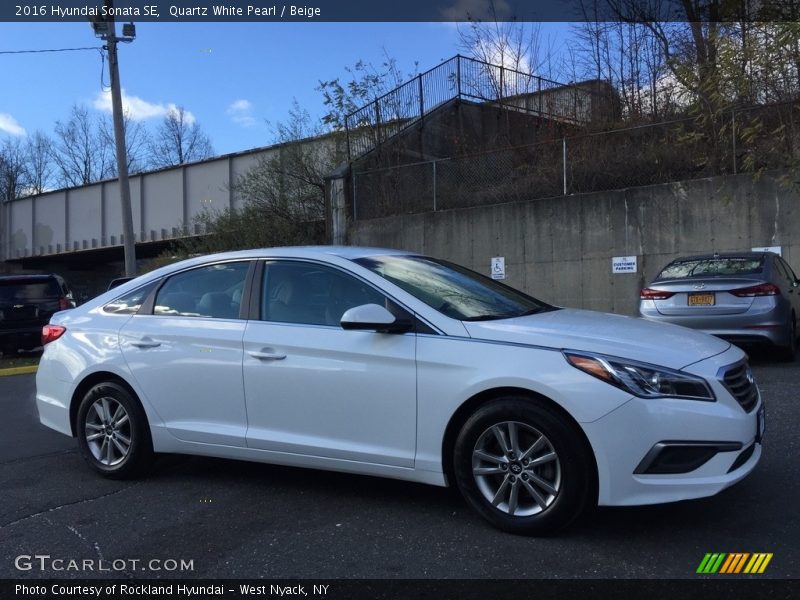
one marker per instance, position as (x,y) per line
(746,140)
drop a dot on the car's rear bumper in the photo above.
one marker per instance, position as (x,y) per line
(53,396)
(767,326)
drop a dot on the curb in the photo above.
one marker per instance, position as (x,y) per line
(18,370)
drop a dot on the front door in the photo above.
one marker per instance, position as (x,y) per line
(316,389)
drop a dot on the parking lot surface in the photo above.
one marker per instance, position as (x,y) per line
(233,519)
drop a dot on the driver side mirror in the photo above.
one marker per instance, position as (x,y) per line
(373,317)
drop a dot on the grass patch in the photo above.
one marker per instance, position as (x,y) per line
(21,360)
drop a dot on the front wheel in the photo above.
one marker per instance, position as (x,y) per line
(522,467)
(113,433)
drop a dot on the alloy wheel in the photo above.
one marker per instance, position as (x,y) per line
(516,468)
(108,431)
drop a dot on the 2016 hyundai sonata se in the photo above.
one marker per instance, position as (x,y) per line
(388,363)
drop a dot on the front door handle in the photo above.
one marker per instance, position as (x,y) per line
(145,342)
(266,354)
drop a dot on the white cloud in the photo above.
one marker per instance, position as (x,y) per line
(9,125)
(139,109)
(241,113)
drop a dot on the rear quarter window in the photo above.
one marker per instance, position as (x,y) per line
(130,303)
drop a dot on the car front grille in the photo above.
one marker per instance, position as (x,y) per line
(738,380)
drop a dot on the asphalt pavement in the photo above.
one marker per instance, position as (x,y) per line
(235,519)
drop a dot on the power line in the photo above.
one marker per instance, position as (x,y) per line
(53,50)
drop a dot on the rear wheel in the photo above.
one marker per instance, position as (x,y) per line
(522,467)
(113,433)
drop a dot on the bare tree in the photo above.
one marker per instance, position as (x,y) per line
(13,175)
(39,162)
(178,140)
(81,153)
(137,143)
(507,47)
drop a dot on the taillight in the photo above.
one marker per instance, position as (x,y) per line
(649,294)
(63,304)
(50,333)
(762,289)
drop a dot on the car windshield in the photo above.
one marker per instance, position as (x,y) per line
(452,290)
(680,269)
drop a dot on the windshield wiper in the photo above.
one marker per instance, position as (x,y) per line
(493,317)
(531,311)
(488,317)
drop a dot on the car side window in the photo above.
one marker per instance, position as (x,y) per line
(311,294)
(213,291)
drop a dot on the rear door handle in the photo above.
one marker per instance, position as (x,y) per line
(266,354)
(145,342)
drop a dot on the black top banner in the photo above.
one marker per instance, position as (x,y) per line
(405,11)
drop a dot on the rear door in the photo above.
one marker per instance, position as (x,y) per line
(186,355)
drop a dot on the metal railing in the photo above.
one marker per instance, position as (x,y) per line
(469,79)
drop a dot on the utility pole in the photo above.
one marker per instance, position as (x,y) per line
(107,31)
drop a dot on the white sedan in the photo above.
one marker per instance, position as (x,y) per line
(388,363)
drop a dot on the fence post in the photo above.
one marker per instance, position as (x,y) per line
(421,100)
(355,202)
(347,136)
(564,161)
(500,92)
(733,137)
(539,93)
(433,163)
(458,75)
(377,122)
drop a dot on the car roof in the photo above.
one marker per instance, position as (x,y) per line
(348,252)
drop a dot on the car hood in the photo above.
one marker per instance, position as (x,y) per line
(626,337)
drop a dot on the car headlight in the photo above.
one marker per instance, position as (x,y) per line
(641,379)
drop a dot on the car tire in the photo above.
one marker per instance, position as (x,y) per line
(113,432)
(789,352)
(523,444)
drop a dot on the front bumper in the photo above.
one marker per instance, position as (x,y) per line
(623,438)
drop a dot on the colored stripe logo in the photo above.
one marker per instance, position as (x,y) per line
(734,563)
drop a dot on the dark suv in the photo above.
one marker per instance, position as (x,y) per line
(26,304)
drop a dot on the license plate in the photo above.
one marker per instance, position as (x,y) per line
(701,299)
(760,426)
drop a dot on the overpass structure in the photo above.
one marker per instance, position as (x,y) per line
(84,222)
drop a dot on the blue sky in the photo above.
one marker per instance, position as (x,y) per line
(232,77)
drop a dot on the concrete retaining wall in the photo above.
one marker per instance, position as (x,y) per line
(560,249)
